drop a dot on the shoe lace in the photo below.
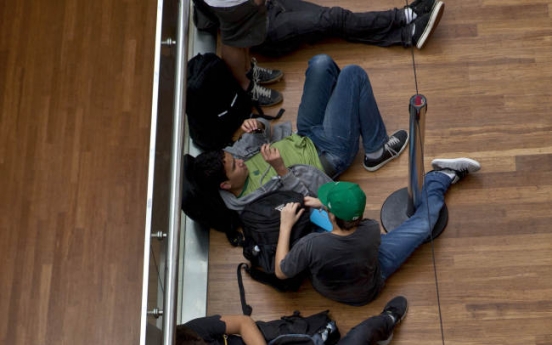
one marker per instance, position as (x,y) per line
(259,91)
(259,71)
(390,143)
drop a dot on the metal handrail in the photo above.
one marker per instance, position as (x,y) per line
(151,169)
(171,277)
(173,233)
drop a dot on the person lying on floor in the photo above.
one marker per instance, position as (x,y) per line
(337,109)
(242,329)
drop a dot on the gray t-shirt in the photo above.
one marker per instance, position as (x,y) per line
(342,268)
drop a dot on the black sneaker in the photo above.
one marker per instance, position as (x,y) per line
(391,150)
(460,167)
(425,25)
(421,7)
(397,307)
(264,96)
(262,75)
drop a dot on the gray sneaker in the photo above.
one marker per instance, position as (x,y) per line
(264,96)
(460,167)
(262,75)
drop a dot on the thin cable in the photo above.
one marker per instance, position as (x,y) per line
(427,203)
(414,69)
(432,246)
(157,269)
(413,59)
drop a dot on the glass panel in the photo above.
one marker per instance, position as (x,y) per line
(162,119)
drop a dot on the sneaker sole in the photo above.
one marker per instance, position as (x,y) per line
(277,101)
(434,19)
(374,168)
(456,164)
(272,81)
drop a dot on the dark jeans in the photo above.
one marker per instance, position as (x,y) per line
(294,22)
(369,332)
(397,245)
(337,109)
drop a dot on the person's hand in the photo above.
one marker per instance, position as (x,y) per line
(290,215)
(272,156)
(312,202)
(252,125)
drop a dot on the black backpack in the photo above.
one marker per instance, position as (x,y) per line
(206,206)
(216,104)
(317,329)
(261,227)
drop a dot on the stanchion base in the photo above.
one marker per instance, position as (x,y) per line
(393,213)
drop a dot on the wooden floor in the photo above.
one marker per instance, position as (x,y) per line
(75,86)
(487,76)
(75,110)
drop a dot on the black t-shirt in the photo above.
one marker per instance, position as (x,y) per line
(342,268)
(212,329)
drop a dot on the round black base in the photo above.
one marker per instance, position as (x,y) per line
(394,209)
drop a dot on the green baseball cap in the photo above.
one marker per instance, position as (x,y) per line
(344,199)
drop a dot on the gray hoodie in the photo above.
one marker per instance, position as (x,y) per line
(301,178)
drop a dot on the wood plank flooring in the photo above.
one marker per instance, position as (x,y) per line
(75,111)
(486,73)
(75,86)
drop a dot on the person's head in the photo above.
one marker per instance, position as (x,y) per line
(221,169)
(345,201)
(186,336)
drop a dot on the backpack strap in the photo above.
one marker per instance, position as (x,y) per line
(263,115)
(246,308)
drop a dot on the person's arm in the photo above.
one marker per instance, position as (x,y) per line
(312,202)
(244,326)
(252,125)
(272,156)
(289,216)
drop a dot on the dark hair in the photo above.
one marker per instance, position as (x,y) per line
(347,225)
(186,336)
(209,169)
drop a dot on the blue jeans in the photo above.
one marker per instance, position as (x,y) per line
(369,331)
(337,108)
(397,245)
(294,22)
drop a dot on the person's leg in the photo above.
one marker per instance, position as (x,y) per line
(241,27)
(237,59)
(294,18)
(369,331)
(378,329)
(320,80)
(397,245)
(336,109)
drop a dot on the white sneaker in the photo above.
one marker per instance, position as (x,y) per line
(459,166)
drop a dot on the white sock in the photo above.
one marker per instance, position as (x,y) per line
(375,154)
(410,15)
(449,173)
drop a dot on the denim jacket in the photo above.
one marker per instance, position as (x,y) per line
(301,178)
